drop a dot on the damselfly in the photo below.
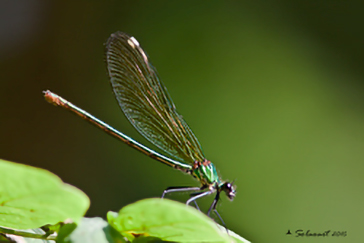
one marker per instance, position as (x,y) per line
(146,103)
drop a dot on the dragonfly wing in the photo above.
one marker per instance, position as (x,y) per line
(145,100)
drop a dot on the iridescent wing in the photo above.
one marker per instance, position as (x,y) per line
(145,100)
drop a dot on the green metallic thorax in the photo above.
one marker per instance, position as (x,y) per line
(206,173)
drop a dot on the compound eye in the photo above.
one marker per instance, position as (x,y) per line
(228,185)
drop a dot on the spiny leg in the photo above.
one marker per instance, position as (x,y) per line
(213,207)
(199,195)
(197,207)
(179,189)
(214,203)
(195,202)
(182,189)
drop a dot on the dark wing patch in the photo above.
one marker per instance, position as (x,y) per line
(145,100)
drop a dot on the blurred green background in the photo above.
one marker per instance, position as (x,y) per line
(273,91)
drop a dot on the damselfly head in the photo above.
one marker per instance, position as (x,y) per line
(229,190)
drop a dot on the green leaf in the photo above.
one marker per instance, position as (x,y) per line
(31,197)
(93,230)
(166,220)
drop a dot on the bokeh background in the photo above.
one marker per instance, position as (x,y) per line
(274,92)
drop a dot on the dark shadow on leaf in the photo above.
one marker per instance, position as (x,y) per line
(112,235)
